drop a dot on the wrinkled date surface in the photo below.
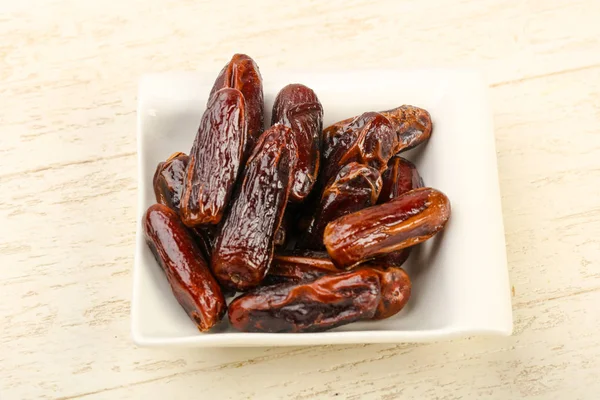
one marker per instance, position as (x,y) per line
(299,266)
(168,189)
(376,231)
(215,160)
(368,139)
(305,266)
(325,303)
(298,107)
(244,247)
(412,125)
(191,281)
(243,74)
(168,180)
(355,187)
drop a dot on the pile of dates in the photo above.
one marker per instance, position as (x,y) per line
(311,225)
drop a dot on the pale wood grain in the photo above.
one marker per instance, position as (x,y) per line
(91,57)
(69,72)
(534,364)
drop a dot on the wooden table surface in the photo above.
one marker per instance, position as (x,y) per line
(69,72)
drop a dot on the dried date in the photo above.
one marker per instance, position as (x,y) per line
(395,290)
(412,125)
(400,177)
(379,230)
(215,160)
(244,247)
(168,188)
(325,303)
(355,187)
(368,139)
(191,281)
(298,107)
(306,266)
(168,180)
(243,74)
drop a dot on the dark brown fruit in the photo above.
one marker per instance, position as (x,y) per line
(191,281)
(244,246)
(376,231)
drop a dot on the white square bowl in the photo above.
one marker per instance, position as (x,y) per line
(460,277)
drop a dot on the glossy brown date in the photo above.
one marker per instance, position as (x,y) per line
(298,107)
(400,177)
(299,266)
(168,180)
(191,281)
(244,247)
(168,188)
(215,160)
(243,74)
(412,125)
(404,221)
(313,306)
(368,139)
(355,187)
(304,266)
(395,290)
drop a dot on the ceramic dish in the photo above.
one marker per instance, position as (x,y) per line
(460,278)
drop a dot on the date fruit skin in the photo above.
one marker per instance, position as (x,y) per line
(412,125)
(310,265)
(191,281)
(168,180)
(216,159)
(298,107)
(376,231)
(312,306)
(355,187)
(400,177)
(395,290)
(168,188)
(244,247)
(296,266)
(242,73)
(368,139)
